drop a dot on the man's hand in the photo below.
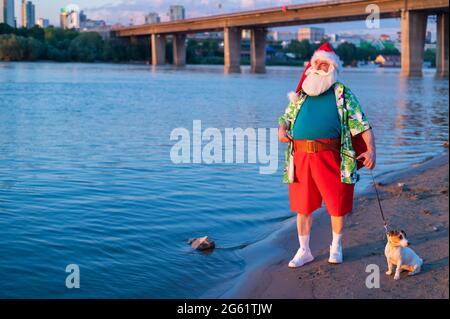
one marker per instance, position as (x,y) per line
(369,159)
(283,135)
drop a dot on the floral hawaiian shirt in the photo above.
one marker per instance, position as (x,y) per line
(353,122)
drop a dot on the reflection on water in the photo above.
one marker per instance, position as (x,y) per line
(86,178)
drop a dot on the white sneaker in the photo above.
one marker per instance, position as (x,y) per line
(301,257)
(335,255)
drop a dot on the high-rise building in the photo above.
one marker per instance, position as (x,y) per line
(7,12)
(73,20)
(152,17)
(2,12)
(63,23)
(312,34)
(83,18)
(43,23)
(31,14)
(176,12)
(23,14)
(28,14)
(10,13)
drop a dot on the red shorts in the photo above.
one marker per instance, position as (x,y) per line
(317,177)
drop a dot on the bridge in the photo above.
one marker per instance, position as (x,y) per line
(413,15)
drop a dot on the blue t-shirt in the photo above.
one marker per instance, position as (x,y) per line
(318,117)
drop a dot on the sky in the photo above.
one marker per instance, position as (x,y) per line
(133,11)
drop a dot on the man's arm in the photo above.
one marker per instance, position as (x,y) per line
(370,155)
(359,124)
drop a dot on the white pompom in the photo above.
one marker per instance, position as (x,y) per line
(293,97)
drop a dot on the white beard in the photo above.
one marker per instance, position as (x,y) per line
(317,82)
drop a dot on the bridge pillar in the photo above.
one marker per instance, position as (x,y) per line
(232,50)
(442,45)
(179,49)
(414,26)
(158,49)
(258,50)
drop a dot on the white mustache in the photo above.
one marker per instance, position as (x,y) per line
(319,72)
(316,83)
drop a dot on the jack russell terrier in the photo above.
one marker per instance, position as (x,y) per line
(399,254)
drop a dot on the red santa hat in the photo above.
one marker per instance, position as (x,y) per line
(324,52)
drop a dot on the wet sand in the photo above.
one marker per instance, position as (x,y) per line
(420,207)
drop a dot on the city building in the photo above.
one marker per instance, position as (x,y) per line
(245,34)
(281,36)
(86,24)
(176,12)
(43,23)
(23,13)
(63,17)
(93,24)
(332,37)
(351,38)
(69,19)
(430,46)
(73,20)
(152,17)
(312,34)
(7,12)
(28,14)
(83,18)
(2,12)
(428,37)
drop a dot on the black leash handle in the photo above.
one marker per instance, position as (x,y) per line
(385,224)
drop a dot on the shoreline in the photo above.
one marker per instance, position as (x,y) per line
(218,65)
(269,277)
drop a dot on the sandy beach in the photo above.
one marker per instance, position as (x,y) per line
(420,207)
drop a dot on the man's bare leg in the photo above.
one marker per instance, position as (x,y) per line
(304,223)
(337,224)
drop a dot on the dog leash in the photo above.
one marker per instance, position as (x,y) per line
(385,223)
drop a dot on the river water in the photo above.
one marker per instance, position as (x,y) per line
(86,176)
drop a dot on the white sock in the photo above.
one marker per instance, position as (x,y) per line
(304,242)
(337,238)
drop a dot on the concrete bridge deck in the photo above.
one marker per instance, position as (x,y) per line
(413,15)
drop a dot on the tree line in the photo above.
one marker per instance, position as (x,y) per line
(60,45)
(56,44)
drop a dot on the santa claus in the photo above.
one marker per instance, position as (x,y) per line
(329,138)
